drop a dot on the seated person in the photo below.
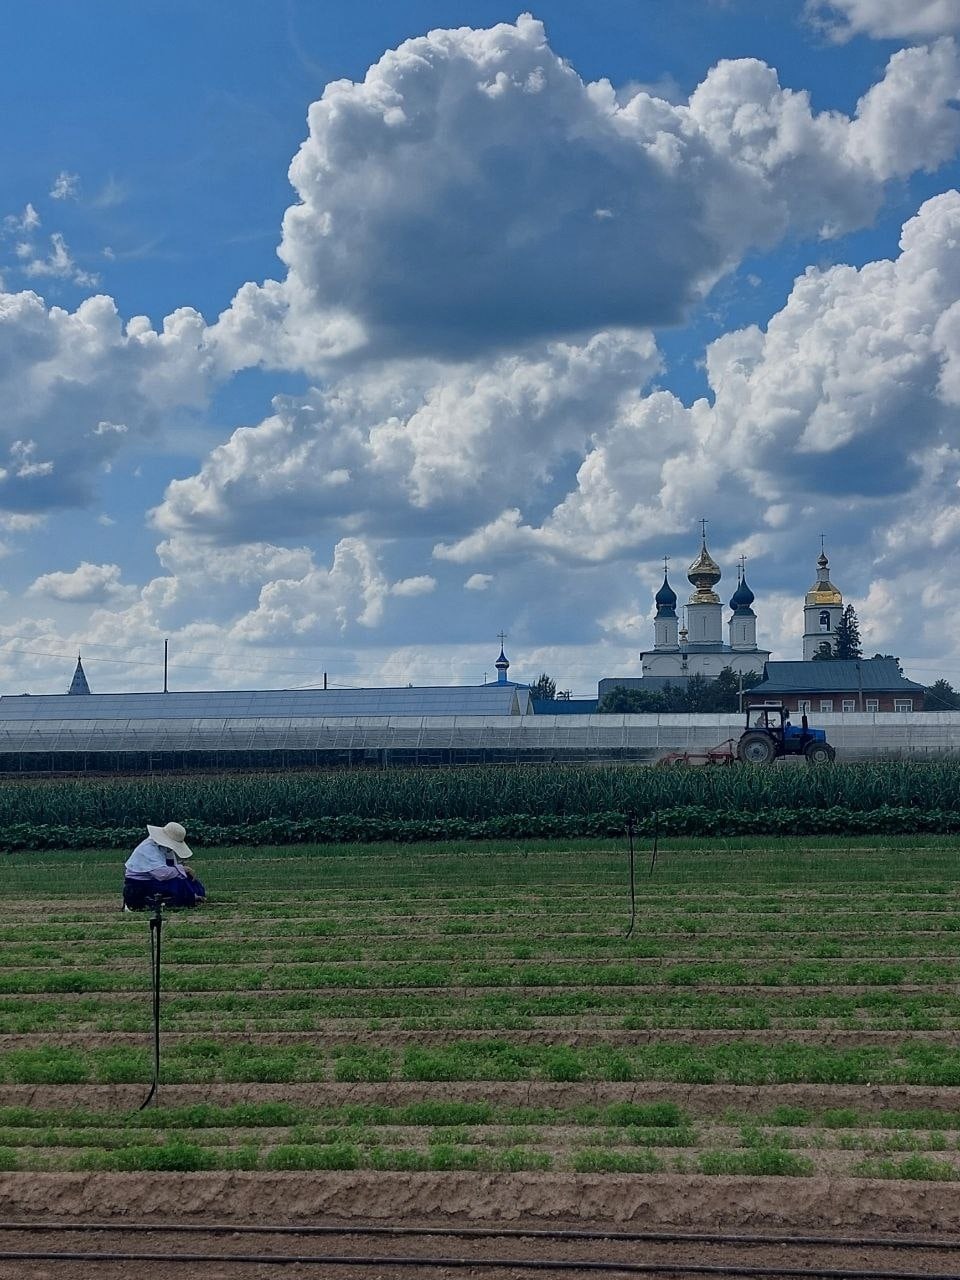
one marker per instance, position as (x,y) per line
(155,869)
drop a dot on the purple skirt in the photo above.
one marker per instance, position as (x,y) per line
(140,895)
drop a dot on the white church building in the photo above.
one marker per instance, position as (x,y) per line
(698,648)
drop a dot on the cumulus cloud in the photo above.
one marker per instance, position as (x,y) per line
(472,191)
(79,385)
(87,584)
(434,443)
(886,19)
(478,582)
(421,585)
(324,602)
(845,409)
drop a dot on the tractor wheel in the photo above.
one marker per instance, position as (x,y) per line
(756,748)
(819,753)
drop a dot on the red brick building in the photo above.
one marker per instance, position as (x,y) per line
(838,684)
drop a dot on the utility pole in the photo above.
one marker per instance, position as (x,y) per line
(166,645)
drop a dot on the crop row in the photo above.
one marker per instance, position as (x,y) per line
(699,820)
(253,977)
(556,950)
(654,1118)
(304,1010)
(796,932)
(741,1062)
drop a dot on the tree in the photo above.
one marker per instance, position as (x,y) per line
(621,701)
(893,658)
(697,695)
(824,652)
(726,688)
(847,635)
(545,689)
(941,696)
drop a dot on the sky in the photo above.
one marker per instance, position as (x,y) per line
(339,338)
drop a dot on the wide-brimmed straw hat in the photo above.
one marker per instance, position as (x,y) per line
(172,836)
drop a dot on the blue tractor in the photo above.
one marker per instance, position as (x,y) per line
(769,735)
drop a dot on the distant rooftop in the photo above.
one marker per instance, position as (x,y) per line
(840,674)
(480,700)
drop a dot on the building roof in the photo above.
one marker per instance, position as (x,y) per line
(565,706)
(840,674)
(462,700)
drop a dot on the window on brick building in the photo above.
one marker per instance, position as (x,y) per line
(903,704)
(826,704)
(804,705)
(873,704)
(849,704)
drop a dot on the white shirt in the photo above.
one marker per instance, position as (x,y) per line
(149,861)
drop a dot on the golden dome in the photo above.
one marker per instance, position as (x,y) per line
(704,573)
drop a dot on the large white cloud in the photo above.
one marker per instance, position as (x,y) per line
(87,584)
(77,386)
(472,190)
(846,409)
(413,444)
(894,19)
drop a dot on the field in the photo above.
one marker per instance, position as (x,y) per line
(420,1032)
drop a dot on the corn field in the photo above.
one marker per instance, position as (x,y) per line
(478,794)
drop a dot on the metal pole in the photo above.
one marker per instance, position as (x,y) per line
(156,928)
(656,837)
(631,827)
(165,649)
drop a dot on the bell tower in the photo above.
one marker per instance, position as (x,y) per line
(822,610)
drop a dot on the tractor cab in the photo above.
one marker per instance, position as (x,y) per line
(769,735)
(769,717)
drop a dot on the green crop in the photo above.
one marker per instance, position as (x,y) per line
(487,802)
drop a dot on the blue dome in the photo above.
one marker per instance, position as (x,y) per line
(742,598)
(666,594)
(666,600)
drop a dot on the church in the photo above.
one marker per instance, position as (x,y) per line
(698,647)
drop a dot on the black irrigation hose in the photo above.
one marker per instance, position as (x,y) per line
(516,1264)
(504,1233)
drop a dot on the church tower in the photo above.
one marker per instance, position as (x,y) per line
(822,610)
(78,685)
(665,622)
(502,664)
(704,610)
(743,621)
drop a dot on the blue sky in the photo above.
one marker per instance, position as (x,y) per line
(531,300)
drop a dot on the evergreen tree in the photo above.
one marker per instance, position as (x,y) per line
(545,689)
(942,696)
(847,635)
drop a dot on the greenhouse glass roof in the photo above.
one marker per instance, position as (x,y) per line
(307,704)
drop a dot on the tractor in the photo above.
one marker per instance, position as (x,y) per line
(769,735)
